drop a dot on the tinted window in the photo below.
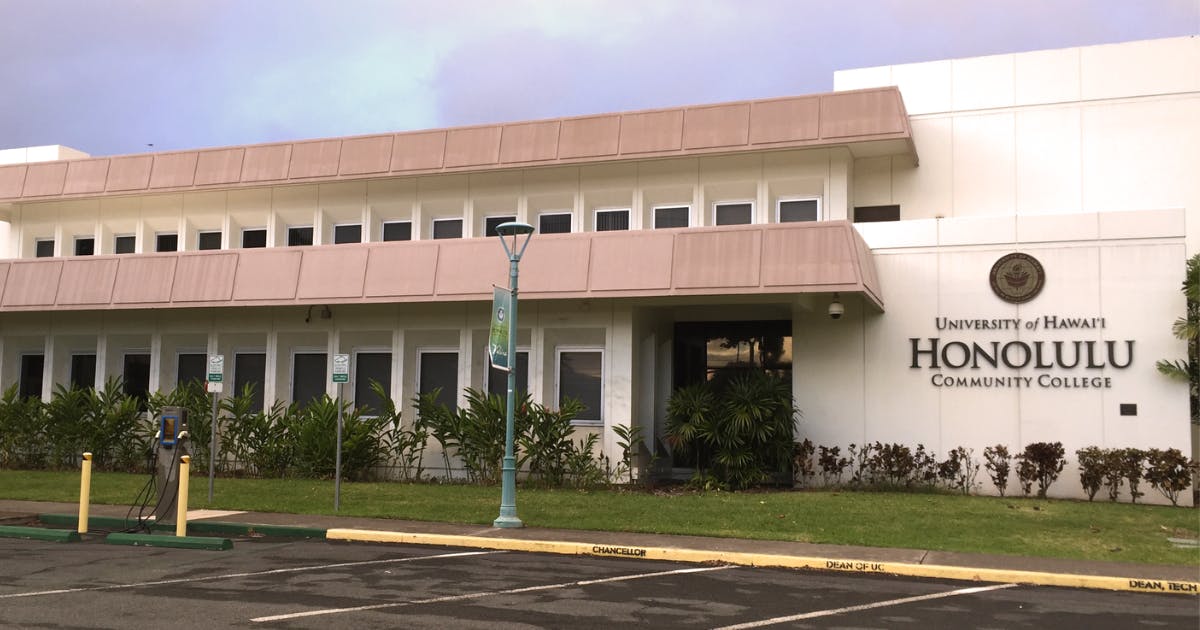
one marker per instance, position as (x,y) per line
(44,248)
(347,234)
(250,369)
(209,240)
(85,246)
(671,217)
(874,214)
(490,223)
(558,223)
(607,220)
(137,377)
(734,213)
(254,238)
(371,366)
(166,242)
(497,384)
(447,228)
(440,369)
(397,231)
(31,375)
(579,373)
(124,244)
(83,371)
(300,236)
(192,367)
(798,210)
(308,376)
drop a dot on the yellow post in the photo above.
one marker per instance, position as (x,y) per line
(85,492)
(181,503)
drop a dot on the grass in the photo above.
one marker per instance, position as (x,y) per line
(945,522)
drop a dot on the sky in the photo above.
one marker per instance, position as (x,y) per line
(112,77)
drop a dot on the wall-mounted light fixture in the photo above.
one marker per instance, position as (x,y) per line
(835,308)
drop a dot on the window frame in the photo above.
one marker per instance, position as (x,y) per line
(292,372)
(462,224)
(558,352)
(117,239)
(779,208)
(312,237)
(180,352)
(487,368)
(77,239)
(510,217)
(21,372)
(37,243)
(556,213)
(262,391)
(95,367)
(200,235)
(383,230)
(423,350)
(732,202)
(128,352)
(628,218)
(359,225)
(672,206)
(159,235)
(242,242)
(354,372)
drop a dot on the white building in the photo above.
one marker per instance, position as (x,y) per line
(658,233)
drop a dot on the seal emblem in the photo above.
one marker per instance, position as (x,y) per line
(1017,278)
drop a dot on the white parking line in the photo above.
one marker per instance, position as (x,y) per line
(890,602)
(227,576)
(454,598)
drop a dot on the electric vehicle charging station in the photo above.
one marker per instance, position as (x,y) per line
(171,443)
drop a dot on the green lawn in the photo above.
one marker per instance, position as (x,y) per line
(1051,528)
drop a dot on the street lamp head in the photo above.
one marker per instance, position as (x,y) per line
(515,230)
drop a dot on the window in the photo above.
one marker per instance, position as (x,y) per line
(31,375)
(193,366)
(579,376)
(44,248)
(439,370)
(875,214)
(397,231)
(250,370)
(447,228)
(350,233)
(85,245)
(208,240)
(166,242)
(254,237)
(308,377)
(136,373)
(733,213)
(300,236)
(490,223)
(554,223)
(671,217)
(83,371)
(124,244)
(608,220)
(371,366)
(497,380)
(799,210)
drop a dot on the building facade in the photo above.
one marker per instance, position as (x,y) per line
(670,245)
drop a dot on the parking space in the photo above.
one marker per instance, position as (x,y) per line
(270,583)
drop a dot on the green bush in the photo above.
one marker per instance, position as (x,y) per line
(1091,469)
(1040,462)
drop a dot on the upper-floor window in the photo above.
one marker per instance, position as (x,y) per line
(447,228)
(612,219)
(739,213)
(208,240)
(874,214)
(254,237)
(671,216)
(348,233)
(490,223)
(124,244)
(798,210)
(300,236)
(397,230)
(554,222)
(85,245)
(166,242)
(43,247)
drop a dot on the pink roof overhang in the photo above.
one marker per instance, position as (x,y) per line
(772,259)
(871,122)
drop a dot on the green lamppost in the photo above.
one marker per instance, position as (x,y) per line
(520,233)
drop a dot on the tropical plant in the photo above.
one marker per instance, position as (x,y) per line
(959,470)
(1187,328)
(22,431)
(1169,472)
(998,464)
(544,438)
(802,462)
(260,439)
(1091,469)
(1040,462)
(440,421)
(407,444)
(314,432)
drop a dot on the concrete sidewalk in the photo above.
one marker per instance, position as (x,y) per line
(912,562)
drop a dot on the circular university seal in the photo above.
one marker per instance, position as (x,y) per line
(1017,278)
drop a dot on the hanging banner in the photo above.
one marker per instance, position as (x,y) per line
(499,332)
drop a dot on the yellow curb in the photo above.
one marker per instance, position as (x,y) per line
(1111,583)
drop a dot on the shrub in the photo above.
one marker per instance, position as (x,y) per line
(1131,468)
(1168,472)
(925,467)
(1041,462)
(959,470)
(407,444)
(998,464)
(1091,469)
(802,462)
(260,439)
(892,464)
(22,431)
(833,466)
(630,438)
(1113,471)
(862,469)
(545,440)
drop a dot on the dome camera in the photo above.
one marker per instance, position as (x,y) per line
(835,308)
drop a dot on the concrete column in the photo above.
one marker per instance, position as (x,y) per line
(333,346)
(618,376)
(270,385)
(397,388)
(155,361)
(48,366)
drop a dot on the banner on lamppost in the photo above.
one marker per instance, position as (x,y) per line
(499,332)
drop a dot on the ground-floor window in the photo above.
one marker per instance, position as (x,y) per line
(497,379)
(250,369)
(31,375)
(717,351)
(83,371)
(371,366)
(308,376)
(579,374)
(439,369)
(192,367)
(136,373)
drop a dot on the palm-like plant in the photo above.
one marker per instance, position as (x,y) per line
(1187,328)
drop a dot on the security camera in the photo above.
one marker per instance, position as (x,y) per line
(836,309)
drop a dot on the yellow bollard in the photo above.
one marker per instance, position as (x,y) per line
(85,492)
(181,503)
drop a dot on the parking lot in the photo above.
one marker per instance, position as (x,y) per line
(267,583)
